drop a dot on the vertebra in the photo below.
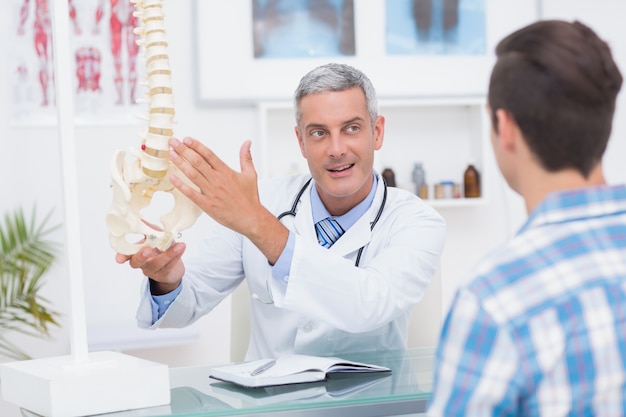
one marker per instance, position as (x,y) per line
(134,182)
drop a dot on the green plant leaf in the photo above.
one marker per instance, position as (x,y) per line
(26,255)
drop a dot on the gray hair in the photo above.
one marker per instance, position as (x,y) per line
(336,77)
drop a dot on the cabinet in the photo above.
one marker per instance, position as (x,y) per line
(444,134)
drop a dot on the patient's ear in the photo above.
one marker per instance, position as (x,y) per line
(508,131)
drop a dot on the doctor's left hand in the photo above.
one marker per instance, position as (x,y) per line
(228,196)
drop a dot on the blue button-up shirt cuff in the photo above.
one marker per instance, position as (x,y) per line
(160,303)
(280,270)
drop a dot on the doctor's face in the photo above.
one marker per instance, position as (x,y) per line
(338,140)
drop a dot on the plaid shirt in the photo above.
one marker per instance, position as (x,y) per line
(541,328)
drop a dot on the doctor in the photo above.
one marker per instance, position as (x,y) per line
(356,294)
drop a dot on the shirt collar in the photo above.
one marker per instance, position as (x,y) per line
(580,203)
(347,220)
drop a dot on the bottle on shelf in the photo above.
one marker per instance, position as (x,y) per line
(419,178)
(423,194)
(471,182)
(389,176)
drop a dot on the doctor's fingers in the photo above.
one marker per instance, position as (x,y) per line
(198,170)
(139,259)
(193,165)
(164,266)
(197,154)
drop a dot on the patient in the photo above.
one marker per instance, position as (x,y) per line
(540,329)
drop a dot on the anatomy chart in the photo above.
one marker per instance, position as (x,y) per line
(105,63)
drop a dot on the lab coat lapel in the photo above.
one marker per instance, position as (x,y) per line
(360,234)
(354,238)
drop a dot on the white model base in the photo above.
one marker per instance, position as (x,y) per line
(103,383)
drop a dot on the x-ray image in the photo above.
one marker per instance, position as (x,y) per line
(435,27)
(303,28)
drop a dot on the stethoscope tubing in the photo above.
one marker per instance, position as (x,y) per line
(293,211)
(296,201)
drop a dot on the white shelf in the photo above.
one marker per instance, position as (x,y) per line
(445,134)
(455,202)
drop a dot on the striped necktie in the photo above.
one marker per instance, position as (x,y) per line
(328,231)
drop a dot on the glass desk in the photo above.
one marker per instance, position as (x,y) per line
(404,392)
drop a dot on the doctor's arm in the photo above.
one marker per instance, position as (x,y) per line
(229,197)
(164,271)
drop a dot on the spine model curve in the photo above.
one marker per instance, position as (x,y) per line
(136,180)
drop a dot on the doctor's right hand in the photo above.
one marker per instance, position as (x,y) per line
(165,269)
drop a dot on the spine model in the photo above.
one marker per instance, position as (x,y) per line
(135,181)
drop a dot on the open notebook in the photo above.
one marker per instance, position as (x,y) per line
(337,386)
(290,369)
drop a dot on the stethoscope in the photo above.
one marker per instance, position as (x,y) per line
(296,201)
(294,209)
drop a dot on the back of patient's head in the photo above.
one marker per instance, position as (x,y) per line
(559,82)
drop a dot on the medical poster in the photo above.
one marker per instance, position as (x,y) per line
(105,62)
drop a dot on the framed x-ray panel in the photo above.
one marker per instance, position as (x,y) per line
(257,50)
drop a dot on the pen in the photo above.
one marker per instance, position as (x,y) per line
(263,368)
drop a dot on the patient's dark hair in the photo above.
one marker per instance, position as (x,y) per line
(559,82)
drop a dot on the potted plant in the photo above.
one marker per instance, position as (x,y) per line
(26,254)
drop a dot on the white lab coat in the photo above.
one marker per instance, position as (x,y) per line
(329,306)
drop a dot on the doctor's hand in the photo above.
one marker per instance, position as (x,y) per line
(229,197)
(165,269)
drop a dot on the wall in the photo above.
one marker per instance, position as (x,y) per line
(31,167)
